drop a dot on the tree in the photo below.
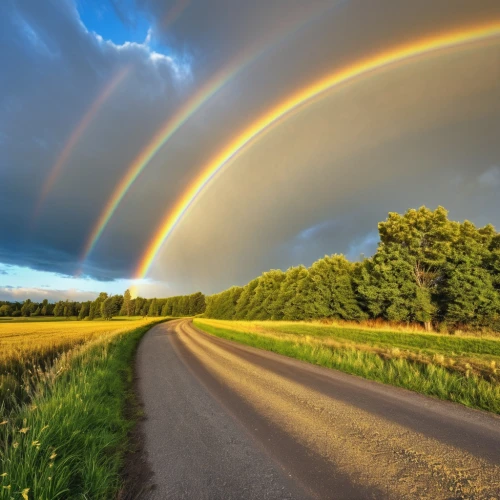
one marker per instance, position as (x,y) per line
(469,296)
(84,310)
(243,305)
(5,310)
(127,306)
(153,309)
(108,308)
(425,239)
(59,309)
(95,307)
(28,308)
(290,303)
(331,290)
(197,304)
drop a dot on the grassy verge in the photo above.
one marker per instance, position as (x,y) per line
(70,440)
(419,369)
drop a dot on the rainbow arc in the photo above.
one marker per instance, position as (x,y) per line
(284,109)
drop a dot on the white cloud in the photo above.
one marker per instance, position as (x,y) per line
(491,177)
(38,294)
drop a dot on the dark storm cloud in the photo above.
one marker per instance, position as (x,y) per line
(316,185)
(53,70)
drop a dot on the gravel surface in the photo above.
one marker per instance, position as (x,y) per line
(226,421)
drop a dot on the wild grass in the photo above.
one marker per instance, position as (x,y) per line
(29,349)
(460,369)
(68,441)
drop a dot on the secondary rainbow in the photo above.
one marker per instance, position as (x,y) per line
(306,95)
(77,134)
(172,124)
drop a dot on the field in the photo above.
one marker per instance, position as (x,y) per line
(63,388)
(459,368)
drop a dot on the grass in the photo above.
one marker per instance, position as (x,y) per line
(29,349)
(68,438)
(460,369)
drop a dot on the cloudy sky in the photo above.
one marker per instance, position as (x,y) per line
(85,87)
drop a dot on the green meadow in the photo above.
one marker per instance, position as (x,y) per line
(64,389)
(462,369)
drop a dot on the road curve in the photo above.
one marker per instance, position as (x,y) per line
(227,421)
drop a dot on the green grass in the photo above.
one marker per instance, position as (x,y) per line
(70,441)
(408,369)
(430,343)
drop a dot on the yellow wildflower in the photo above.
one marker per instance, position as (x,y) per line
(4,422)
(36,443)
(15,444)
(3,475)
(54,455)
(24,493)
(24,430)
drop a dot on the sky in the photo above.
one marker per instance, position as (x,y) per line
(112,111)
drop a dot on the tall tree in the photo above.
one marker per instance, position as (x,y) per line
(126,309)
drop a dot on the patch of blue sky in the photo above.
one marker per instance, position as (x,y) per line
(114,20)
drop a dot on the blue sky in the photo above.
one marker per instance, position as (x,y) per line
(23,282)
(114,20)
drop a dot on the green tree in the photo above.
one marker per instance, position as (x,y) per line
(59,309)
(84,310)
(331,290)
(108,308)
(469,296)
(153,308)
(127,306)
(425,239)
(28,308)
(5,310)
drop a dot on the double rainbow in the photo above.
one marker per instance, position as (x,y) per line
(175,122)
(304,96)
(77,134)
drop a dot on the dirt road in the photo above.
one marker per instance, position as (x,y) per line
(225,421)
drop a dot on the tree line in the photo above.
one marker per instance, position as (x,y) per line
(107,306)
(427,269)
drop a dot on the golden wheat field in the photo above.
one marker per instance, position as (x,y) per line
(27,339)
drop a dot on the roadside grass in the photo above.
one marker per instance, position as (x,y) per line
(29,349)
(456,369)
(69,441)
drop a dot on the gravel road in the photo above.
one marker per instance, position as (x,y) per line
(226,421)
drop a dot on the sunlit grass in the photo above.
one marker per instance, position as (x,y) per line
(460,369)
(67,440)
(28,350)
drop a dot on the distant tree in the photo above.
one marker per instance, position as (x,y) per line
(139,304)
(243,306)
(331,290)
(108,308)
(127,306)
(28,308)
(5,310)
(153,309)
(197,304)
(95,307)
(37,312)
(59,309)
(84,310)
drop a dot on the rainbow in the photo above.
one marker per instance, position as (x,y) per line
(361,68)
(77,133)
(172,124)
(174,13)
